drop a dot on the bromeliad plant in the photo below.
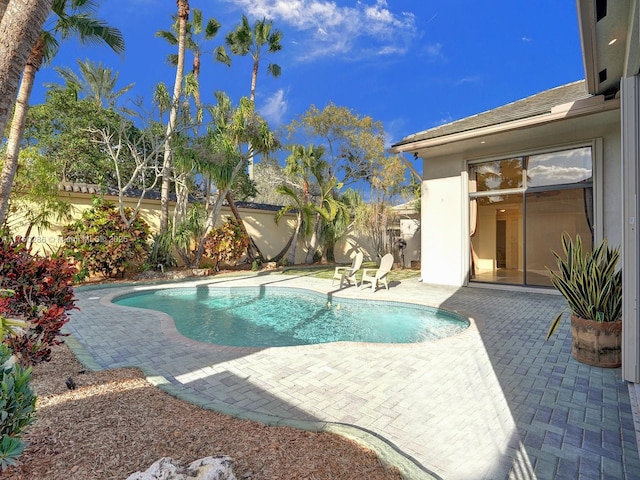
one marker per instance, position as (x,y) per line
(590,282)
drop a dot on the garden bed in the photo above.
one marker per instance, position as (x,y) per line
(116,423)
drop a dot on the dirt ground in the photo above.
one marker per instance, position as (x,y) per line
(115,423)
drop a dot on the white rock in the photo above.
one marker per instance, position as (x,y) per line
(208,468)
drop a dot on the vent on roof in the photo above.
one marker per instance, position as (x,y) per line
(602,76)
(601,9)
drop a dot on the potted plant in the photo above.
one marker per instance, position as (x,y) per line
(592,286)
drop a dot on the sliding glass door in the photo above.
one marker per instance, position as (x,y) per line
(519,208)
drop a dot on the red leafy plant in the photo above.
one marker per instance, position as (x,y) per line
(103,243)
(226,243)
(40,293)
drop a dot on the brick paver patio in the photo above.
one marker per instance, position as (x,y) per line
(495,402)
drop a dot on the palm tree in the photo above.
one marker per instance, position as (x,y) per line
(233,128)
(196,35)
(20,25)
(304,214)
(245,40)
(72,18)
(183,18)
(95,82)
(313,197)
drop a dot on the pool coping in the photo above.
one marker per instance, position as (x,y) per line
(168,327)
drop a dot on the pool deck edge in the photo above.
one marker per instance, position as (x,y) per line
(388,454)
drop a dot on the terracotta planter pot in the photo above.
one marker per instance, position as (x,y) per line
(595,343)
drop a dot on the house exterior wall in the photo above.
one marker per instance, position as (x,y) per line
(443,237)
(630,141)
(445,206)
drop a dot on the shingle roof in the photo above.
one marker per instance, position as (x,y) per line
(535,105)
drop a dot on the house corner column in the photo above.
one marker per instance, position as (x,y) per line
(630,148)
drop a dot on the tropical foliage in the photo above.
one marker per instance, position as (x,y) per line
(41,295)
(17,407)
(73,18)
(95,82)
(226,243)
(35,201)
(103,243)
(589,281)
(202,155)
(65,129)
(245,40)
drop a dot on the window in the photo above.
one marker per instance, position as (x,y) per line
(519,208)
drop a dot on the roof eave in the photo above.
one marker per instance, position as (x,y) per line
(586,20)
(576,109)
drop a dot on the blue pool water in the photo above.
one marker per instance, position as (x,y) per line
(274,317)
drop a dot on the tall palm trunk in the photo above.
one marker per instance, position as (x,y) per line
(252,250)
(183,15)
(254,78)
(18,125)
(20,26)
(313,242)
(291,254)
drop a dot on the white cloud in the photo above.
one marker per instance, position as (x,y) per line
(334,29)
(274,108)
(470,79)
(434,51)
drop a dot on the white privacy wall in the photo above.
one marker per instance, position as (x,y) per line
(443,238)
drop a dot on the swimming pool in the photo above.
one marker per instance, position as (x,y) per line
(275,317)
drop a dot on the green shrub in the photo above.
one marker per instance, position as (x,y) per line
(161,252)
(284,262)
(103,242)
(17,407)
(42,294)
(227,243)
(256,265)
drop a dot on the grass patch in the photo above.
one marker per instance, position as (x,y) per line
(321,271)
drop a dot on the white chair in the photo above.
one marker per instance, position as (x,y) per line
(379,275)
(348,274)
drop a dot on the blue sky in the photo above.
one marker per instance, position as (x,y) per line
(411,64)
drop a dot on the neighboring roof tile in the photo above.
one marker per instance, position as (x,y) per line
(535,105)
(149,194)
(258,206)
(80,187)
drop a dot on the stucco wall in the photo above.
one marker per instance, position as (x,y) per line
(260,224)
(445,210)
(442,235)
(612,186)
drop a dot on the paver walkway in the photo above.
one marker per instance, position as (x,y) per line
(495,402)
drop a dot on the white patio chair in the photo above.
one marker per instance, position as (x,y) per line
(379,275)
(348,274)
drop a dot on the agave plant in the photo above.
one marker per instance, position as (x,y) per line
(589,281)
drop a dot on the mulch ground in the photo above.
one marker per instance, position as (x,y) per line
(115,423)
